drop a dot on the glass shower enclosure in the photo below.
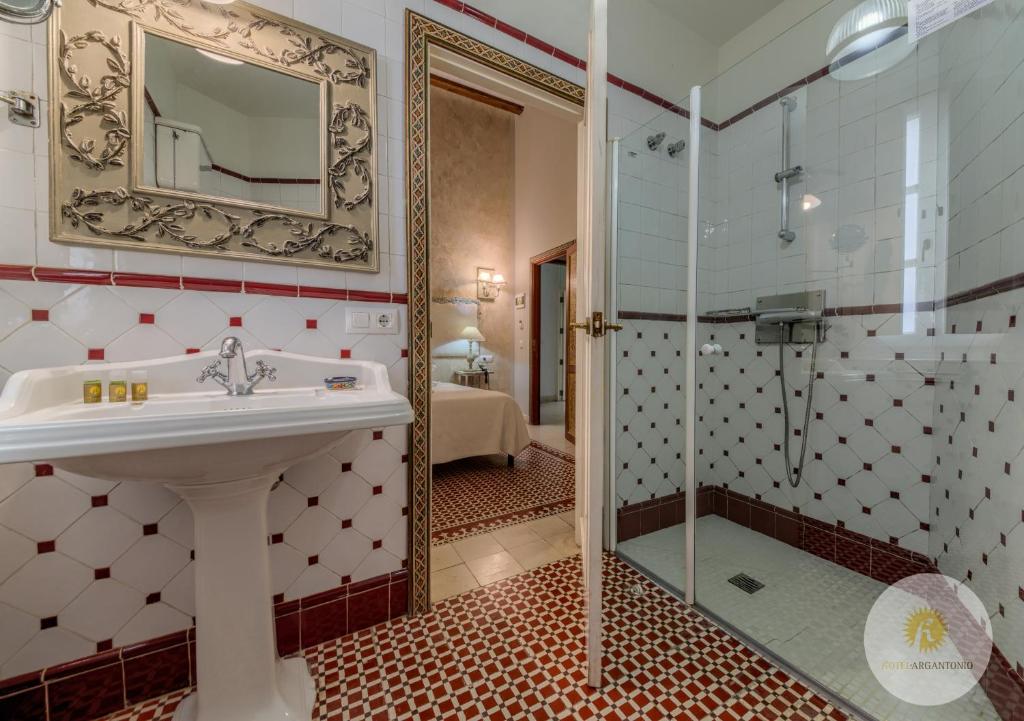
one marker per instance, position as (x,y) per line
(855,428)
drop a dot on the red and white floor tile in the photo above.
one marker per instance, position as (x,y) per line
(476,495)
(514,650)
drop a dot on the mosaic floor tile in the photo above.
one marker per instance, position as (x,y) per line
(476,495)
(514,650)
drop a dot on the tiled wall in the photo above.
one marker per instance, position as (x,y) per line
(649,411)
(869,457)
(976,500)
(87,563)
(851,139)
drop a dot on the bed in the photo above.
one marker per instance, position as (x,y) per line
(468,422)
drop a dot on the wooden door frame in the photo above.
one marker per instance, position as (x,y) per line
(548,256)
(421,34)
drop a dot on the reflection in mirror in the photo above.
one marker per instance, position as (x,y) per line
(26,12)
(221,127)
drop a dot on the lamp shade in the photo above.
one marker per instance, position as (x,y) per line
(471,332)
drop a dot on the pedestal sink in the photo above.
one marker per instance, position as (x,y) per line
(222,454)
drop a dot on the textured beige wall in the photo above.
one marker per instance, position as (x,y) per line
(545,213)
(472,206)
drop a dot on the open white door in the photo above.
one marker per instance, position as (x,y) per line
(591,350)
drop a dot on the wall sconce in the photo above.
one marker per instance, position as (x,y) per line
(488,284)
(471,333)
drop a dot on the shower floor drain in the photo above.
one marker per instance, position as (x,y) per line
(746,583)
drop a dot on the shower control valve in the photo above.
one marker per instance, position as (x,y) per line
(789,173)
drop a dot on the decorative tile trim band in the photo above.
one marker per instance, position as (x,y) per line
(249,179)
(514,518)
(98,685)
(174,282)
(987,290)
(644,315)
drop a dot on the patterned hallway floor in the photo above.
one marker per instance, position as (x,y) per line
(474,495)
(514,650)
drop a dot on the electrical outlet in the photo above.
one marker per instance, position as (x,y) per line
(371,321)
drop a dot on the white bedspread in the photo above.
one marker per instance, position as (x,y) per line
(469,422)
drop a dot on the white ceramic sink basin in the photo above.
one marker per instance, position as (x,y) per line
(42,417)
(222,454)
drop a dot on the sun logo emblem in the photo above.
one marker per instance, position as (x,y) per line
(925,630)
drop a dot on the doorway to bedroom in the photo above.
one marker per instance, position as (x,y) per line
(552,350)
(502,223)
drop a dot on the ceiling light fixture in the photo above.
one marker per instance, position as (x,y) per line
(869,39)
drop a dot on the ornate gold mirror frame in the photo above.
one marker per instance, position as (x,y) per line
(421,34)
(96,127)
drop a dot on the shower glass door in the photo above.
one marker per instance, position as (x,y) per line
(871,330)
(649,168)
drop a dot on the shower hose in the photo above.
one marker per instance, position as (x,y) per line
(794,482)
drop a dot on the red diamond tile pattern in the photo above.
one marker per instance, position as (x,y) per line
(514,650)
(474,495)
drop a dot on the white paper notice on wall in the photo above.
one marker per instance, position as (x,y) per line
(927,16)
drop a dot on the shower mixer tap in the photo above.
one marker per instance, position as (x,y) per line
(676,148)
(653,141)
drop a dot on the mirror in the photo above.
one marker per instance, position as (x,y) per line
(25,12)
(228,129)
(167,131)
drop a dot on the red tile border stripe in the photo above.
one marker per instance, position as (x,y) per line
(40,274)
(987,290)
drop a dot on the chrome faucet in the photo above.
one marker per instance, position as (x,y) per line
(232,353)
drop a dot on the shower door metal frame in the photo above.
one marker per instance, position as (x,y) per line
(692,240)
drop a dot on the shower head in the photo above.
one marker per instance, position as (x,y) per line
(676,148)
(653,141)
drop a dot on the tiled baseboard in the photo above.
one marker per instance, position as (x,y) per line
(883,561)
(94,686)
(880,560)
(639,519)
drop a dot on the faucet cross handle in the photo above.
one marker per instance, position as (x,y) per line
(264,370)
(212,371)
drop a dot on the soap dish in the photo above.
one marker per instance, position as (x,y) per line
(340,383)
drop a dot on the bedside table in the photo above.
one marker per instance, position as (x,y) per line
(475,378)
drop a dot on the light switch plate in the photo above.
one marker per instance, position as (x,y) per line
(371,321)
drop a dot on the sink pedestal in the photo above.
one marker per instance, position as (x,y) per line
(239,675)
